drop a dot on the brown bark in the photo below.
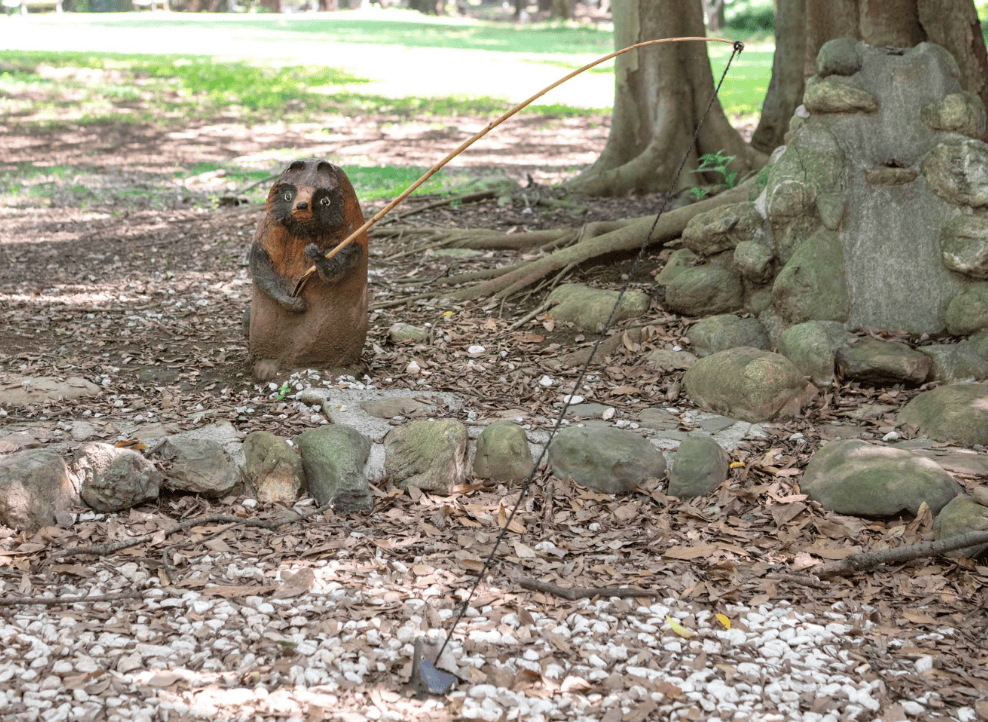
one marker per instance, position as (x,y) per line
(661,93)
(561,9)
(785,90)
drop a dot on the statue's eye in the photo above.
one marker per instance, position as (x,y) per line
(324,201)
(288,195)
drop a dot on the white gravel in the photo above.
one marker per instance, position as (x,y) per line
(344,647)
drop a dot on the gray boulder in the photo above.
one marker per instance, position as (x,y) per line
(388,408)
(956,170)
(679,260)
(962,516)
(964,245)
(754,261)
(273,468)
(862,479)
(606,459)
(956,362)
(962,113)
(24,391)
(665,359)
(723,228)
(748,384)
(700,466)
(35,486)
(110,479)
(503,453)
(705,290)
(199,466)
(840,56)
(811,346)
(813,285)
(873,361)
(725,331)
(333,458)
(589,308)
(958,413)
(967,312)
(837,94)
(430,455)
(979,343)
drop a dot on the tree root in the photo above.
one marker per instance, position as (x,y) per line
(627,236)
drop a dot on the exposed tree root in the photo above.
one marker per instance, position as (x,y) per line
(613,238)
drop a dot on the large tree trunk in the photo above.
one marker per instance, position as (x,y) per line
(661,93)
(785,90)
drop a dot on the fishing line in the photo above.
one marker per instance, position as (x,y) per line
(738,47)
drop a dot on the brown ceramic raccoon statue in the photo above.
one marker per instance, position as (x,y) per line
(310,209)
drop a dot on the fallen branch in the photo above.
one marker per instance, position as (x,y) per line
(529,316)
(869,560)
(55,601)
(109,548)
(574,593)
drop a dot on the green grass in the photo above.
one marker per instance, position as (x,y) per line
(372,182)
(175,89)
(395,28)
(273,68)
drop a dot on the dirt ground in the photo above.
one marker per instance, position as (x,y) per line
(143,294)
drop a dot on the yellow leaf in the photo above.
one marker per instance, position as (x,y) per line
(722,618)
(679,628)
(737,464)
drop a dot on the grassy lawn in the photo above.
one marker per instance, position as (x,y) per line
(402,61)
(170,71)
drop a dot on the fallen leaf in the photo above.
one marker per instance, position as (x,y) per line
(679,628)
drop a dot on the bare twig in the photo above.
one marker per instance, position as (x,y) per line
(105,549)
(405,299)
(869,560)
(529,316)
(54,601)
(573,593)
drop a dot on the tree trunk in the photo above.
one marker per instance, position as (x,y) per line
(952,24)
(714,10)
(661,93)
(561,9)
(785,90)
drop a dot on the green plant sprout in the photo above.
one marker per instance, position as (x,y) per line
(715,163)
(283,391)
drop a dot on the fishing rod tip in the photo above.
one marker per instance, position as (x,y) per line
(738,46)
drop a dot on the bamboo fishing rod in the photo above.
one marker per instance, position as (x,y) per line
(491,126)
